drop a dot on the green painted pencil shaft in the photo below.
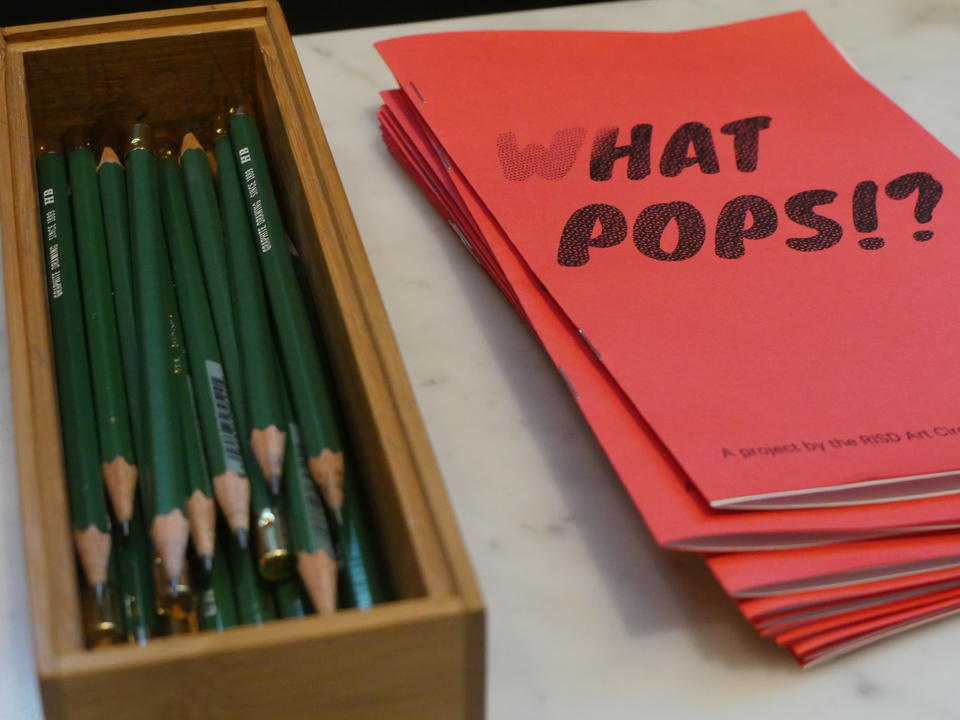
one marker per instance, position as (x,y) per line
(268,604)
(301,362)
(211,394)
(291,600)
(116,222)
(260,373)
(208,232)
(75,391)
(136,581)
(250,606)
(118,463)
(88,505)
(218,606)
(261,382)
(150,286)
(103,341)
(163,468)
(201,510)
(363,582)
(309,529)
(206,365)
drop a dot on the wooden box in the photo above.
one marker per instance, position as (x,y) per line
(419,656)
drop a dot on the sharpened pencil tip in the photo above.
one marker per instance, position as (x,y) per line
(99,593)
(174,587)
(109,156)
(125,528)
(189,142)
(206,562)
(275,484)
(338,516)
(242,537)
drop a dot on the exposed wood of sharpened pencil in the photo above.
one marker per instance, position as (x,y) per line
(310,393)
(211,394)
(261,382)
(117,460)
(88,505)
(162,466)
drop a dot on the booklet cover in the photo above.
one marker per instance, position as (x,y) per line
(754,242)
(674,510)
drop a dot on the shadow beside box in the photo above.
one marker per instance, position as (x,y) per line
(420,655)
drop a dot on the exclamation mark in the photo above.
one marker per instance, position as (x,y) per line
(865,214)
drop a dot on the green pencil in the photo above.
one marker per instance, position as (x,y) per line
(162,467)
(117,461)
(290,599)
(211,394)
(217,604)
(362,581)
(88,505)
(301,362)
(267,440)
(116,223)
(251,609)
(309,532)
(201,509)
(136,582)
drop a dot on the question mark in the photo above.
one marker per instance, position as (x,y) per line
(929,192)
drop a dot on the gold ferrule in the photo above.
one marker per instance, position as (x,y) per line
(179,618)
(45,142)
(220,125)
(164,144)
(140,136)
(102,624)
(77,137)
(176,603)
(242,106)
(274,559)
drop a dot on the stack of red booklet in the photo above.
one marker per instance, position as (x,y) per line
(743,259)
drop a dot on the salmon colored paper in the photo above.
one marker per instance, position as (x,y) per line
(674,510)
(818,601)
(759,574)
(711,211)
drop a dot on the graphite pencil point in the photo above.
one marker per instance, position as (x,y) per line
(242,537)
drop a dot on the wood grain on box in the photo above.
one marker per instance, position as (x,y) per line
(420,656)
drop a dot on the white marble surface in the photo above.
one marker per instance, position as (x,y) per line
(587,617)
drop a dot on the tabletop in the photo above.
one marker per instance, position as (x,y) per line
(587,617)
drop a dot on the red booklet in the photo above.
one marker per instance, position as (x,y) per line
(753,241)
(673,509)
(817,602)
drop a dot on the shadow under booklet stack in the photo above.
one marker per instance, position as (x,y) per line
(740,256)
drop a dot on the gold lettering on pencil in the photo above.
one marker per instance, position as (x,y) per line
(244,154)
(48,196)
